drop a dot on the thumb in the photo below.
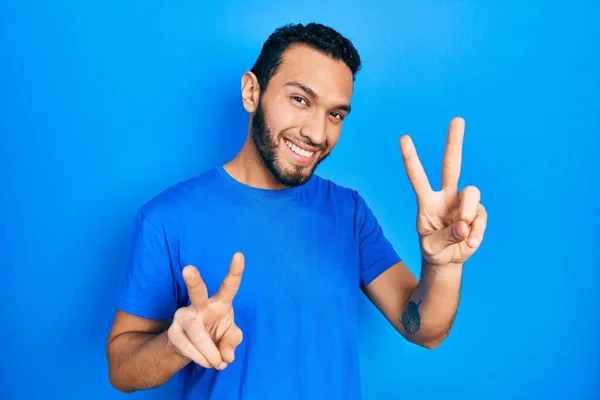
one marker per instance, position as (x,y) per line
(228,343)
(438,241)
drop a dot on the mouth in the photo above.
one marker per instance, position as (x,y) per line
(299,155)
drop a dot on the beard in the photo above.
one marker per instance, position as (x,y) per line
(267,145)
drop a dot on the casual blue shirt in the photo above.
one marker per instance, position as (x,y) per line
(308,251)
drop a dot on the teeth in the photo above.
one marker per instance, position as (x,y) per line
(298,150)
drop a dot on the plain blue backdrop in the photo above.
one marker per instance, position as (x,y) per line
(105,103)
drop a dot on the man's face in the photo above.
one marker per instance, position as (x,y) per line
(299,117)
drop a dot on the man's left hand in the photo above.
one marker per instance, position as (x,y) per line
(450,223)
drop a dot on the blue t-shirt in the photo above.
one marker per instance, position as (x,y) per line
(308,251)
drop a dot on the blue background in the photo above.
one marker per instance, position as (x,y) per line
(105,103)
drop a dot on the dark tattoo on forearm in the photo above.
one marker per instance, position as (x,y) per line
(411,319)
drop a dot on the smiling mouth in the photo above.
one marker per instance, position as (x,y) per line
(297,150)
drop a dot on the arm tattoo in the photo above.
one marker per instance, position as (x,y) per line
(411,319)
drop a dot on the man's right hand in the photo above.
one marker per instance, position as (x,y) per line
(205,331)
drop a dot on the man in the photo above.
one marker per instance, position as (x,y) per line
(287,329)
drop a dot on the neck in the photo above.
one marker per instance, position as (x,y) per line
(248,168)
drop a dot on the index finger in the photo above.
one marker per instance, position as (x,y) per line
(414,169)
(197,291)
(453,154)
(232,281)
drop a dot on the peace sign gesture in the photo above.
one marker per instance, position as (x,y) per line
(205,331)
(450,224)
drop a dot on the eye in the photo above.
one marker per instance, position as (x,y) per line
(337,116)
(299,100)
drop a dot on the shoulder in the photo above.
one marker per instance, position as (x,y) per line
(345,200)
(179,198)
(336,192)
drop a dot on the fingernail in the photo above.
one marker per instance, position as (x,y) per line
(222,366)
(455,231)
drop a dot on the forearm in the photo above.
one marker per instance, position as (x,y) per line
(142,361)
(430,311)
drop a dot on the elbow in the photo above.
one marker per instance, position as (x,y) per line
(116,377)
(117,382)
(434,343)
(427,343)
(430,345)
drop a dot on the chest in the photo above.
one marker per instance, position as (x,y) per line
(307,255)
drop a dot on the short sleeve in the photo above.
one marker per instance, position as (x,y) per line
(147,287)
(376,252)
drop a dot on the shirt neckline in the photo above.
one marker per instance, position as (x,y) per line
(247,189)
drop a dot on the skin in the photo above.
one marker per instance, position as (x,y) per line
(306,102)
(451,225)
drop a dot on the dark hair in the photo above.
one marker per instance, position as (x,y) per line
(318,36)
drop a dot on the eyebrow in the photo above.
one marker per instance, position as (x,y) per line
(311,93)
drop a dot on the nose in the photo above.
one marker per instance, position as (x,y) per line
(314,129)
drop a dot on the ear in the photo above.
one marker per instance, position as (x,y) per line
(250,91)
